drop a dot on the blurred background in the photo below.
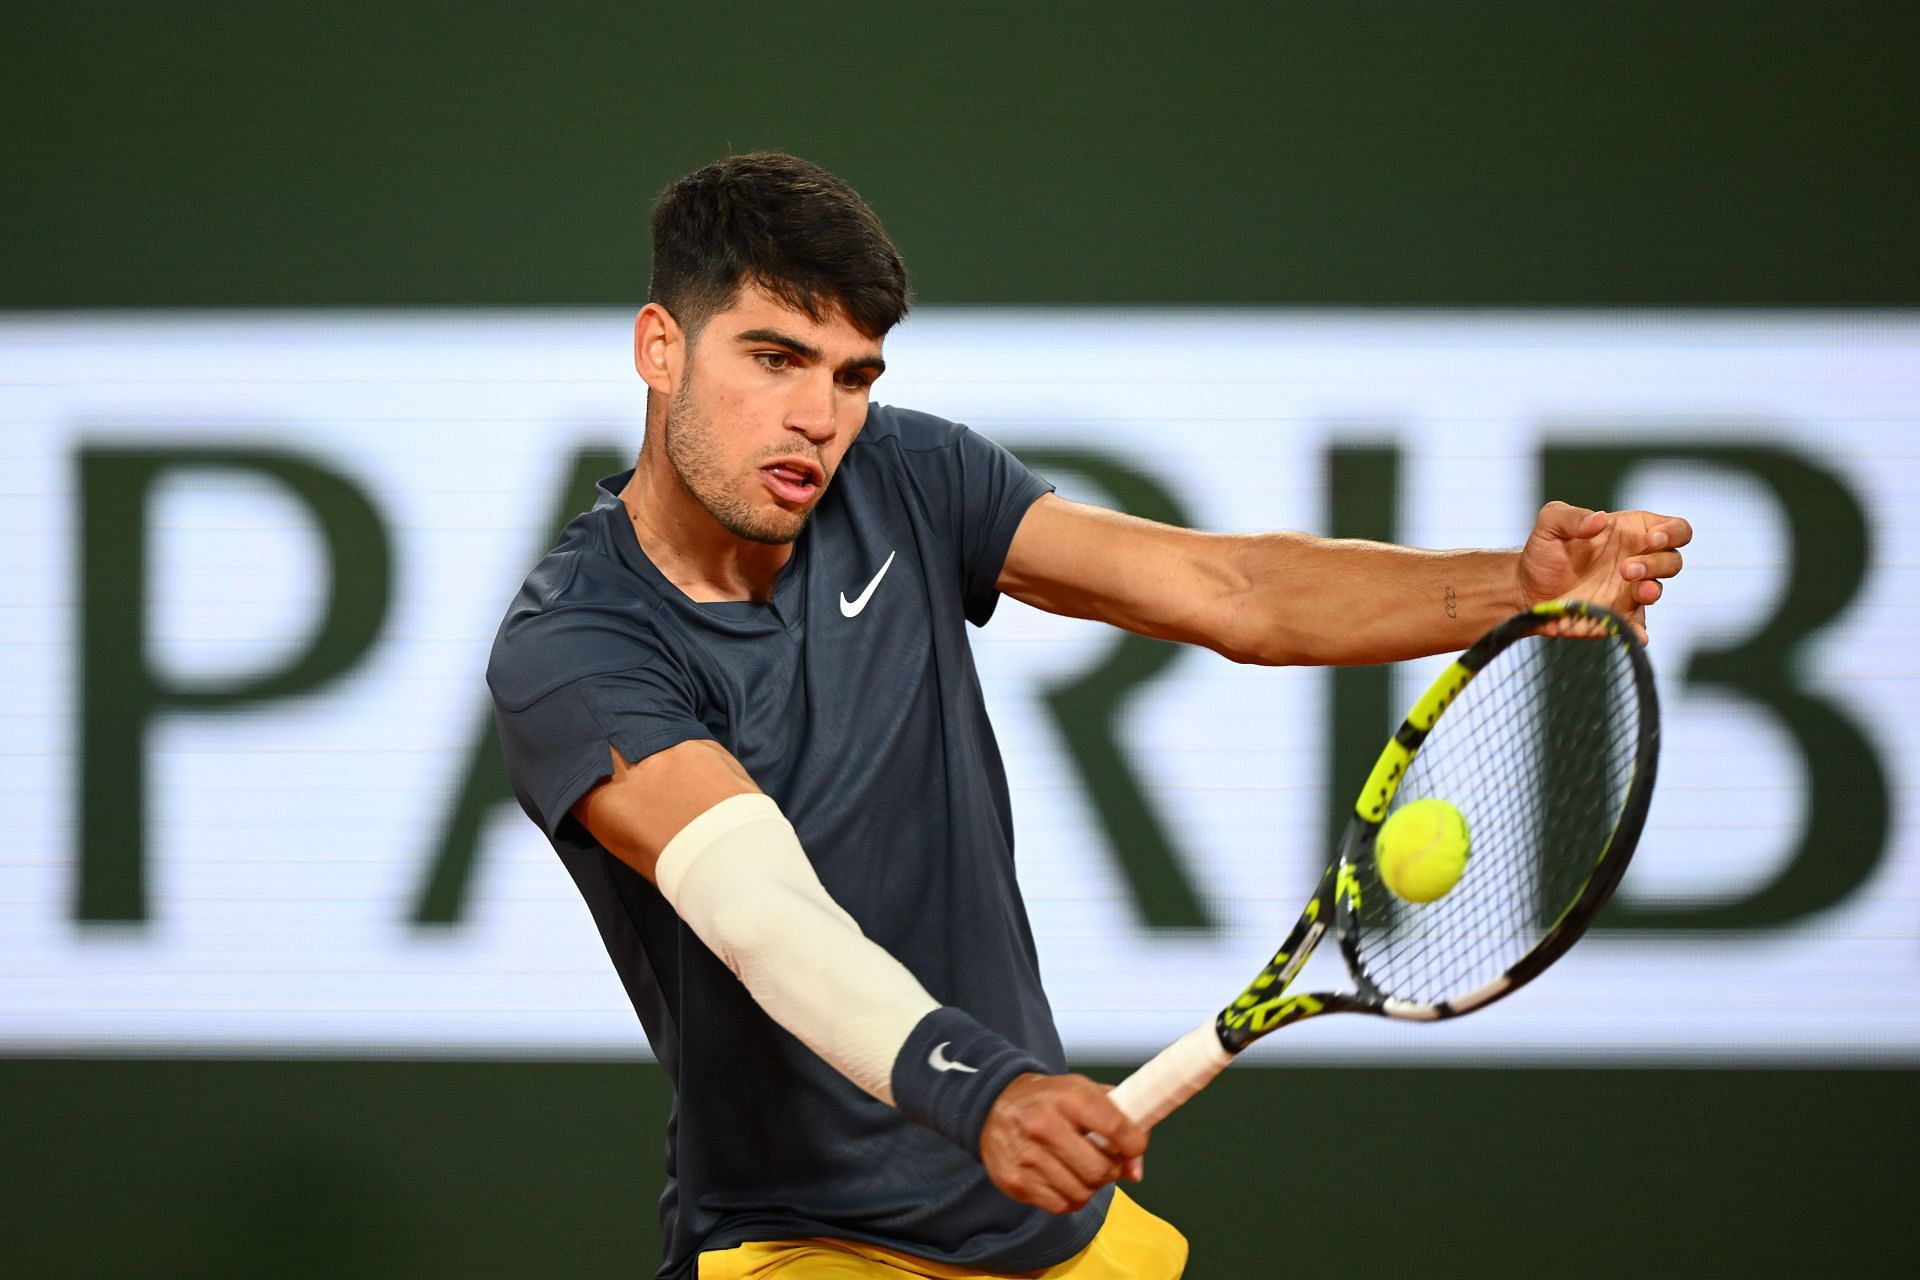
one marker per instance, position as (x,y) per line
(313,329)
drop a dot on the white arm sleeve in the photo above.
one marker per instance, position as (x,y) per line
(739,878)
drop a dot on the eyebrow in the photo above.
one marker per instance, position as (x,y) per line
(773,337)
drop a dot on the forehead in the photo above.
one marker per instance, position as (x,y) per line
(753,308)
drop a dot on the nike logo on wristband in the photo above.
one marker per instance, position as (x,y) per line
(852,608)
(939,1060)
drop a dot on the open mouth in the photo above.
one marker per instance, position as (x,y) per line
(792,481)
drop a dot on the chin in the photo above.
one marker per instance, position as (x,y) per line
(773,537)
(773,529)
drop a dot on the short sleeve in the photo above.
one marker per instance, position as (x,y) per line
(988,491)
(555,748)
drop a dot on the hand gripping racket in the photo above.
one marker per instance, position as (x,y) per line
(1545,735)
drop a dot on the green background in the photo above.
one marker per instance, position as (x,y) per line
(520,1169)
(1524,153)
(1464,154)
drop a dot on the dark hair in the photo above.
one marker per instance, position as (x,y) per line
(784,224)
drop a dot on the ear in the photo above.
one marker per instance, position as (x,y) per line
(659,348)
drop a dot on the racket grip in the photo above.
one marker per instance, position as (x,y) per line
(1175,1074)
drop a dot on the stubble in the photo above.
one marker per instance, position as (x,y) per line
(693,451)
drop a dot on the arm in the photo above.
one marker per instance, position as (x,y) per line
(691,821)
(1291,598)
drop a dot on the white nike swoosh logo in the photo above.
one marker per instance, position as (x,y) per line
(938,1059)
(852,608)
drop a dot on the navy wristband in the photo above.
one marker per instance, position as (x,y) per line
(949,1072)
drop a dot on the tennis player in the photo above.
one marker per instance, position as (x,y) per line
(738,698)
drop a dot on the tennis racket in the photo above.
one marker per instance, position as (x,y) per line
(1545,735)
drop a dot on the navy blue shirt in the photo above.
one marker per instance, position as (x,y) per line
(870,733)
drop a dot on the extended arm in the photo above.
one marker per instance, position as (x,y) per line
(1292,598)
(690,819)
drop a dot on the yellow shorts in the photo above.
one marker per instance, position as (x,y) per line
(1133,1245)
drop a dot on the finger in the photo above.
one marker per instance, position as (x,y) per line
(1565,521)
(1039,1194)
(1053,1174)
(1089,1163)
(1030,1178)
(1136,1166)
(1645,593)
(1095,1113)
(1084,1153)
(1655,564)
(1669,531)
(1632,612)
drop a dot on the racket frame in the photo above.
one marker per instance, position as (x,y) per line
(1185,1066)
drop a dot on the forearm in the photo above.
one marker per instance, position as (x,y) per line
(1291,598)
(739,878)
(1271,598)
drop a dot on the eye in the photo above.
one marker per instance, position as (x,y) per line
(773,361)
(856,382)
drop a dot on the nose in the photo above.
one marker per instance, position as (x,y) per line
(811,412)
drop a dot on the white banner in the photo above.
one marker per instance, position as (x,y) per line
(255,858)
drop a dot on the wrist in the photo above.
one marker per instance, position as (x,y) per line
(1517,598)
(1475,591)
(951,1071)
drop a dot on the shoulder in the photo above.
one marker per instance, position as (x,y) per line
(923,453)
(581,612)
(909,431)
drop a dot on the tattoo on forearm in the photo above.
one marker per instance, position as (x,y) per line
(1453,604)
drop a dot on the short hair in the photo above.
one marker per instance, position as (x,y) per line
(784,224)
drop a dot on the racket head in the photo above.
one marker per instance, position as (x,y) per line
(1546,736)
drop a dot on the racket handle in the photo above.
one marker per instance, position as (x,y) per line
(1175,1074)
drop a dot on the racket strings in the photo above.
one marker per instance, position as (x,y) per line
(1537,753)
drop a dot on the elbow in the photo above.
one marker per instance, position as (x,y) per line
(1240,618)
(1256,653)
(1256,642)
(742,928)
(1284,651)
(1267,654)
(782,926)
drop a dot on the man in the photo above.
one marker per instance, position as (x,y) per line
(738,697)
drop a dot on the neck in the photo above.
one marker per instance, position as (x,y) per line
(692,550)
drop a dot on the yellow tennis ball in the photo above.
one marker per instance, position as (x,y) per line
(1421,850)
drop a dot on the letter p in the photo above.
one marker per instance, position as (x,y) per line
(121,694)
